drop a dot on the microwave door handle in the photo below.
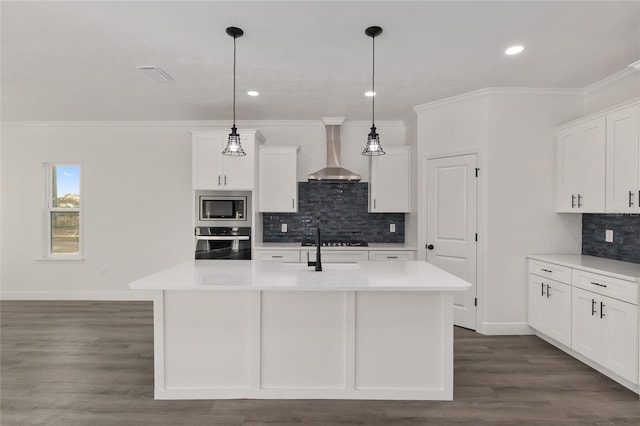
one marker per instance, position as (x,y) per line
(223,238)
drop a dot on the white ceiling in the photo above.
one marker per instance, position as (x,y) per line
(77,60)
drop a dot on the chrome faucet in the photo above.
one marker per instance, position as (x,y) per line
(318,262)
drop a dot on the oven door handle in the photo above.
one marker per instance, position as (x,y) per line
(223,237)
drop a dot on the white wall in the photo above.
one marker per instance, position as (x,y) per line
(513,133)
(137,197)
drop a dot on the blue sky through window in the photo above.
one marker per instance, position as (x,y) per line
(68,179)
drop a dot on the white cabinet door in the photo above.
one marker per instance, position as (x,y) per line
(606,331)
(558,298)
(550,308)
(278,186)
(580,152)
(538,305)
(623,161)
(389,181)
(212,170)
(207,159)
(619,343)
(586,324)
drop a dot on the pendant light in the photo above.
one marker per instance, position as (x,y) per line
(233,145)
(373,146)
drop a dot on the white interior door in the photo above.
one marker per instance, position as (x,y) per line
(452,211)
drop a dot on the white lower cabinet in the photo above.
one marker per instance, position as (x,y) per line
(605,330)
(391,255)
(593,315)
(550,308)
(282,255)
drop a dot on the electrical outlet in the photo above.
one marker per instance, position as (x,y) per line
(608,236)
(283,227)
(392,227)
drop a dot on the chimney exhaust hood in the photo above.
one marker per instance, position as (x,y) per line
(334,171)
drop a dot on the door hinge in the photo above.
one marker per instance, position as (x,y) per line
(476,236)
(475,301)
(477,170)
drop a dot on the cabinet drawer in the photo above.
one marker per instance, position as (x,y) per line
(336,256)
(616,288)
(550,270)
(283,255)
(392,255)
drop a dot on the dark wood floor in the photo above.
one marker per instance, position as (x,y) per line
(91,363)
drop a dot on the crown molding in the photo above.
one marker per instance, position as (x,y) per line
(513,91)
(600,84)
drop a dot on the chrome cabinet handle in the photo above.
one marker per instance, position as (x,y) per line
(593,303)
(293,203)
(599,285)
(546,270)
(225,180)
(573,201)
(276,257)
(392,257)
(218,180)
(579,200)
(542,289)
(374,203)
(630,199)
(602,305)
(548,291)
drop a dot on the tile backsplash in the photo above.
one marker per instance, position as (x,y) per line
(342,208)
(626,236)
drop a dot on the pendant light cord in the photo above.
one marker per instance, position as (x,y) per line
(373,82)
(234,81)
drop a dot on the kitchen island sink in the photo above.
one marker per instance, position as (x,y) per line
(265,329)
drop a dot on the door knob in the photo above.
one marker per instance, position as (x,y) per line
(430,246)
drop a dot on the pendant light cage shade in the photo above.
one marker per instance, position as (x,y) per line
(234,147)
(373,147)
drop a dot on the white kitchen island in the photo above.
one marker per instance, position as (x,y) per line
(266,329)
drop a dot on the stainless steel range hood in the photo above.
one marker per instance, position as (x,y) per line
(333,171)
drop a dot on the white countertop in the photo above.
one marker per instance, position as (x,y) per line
(624,270)
(411,275)
(298,246)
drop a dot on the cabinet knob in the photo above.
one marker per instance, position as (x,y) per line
(430,247)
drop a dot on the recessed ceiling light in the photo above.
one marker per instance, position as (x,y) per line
(514,50)
(155,73)
(252,93)
(369,93)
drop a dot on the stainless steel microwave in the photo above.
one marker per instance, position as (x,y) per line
(222,208)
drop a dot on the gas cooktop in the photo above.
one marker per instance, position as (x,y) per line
(336,243)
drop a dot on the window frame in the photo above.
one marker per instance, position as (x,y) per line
(48,209)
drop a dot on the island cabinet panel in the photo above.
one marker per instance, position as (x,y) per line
(396,337)
(206,339)
(303,340)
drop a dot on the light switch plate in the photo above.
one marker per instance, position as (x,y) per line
(608,236)
(283,227)
(392,227)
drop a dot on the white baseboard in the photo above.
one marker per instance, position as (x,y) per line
(79,295)
(505,328)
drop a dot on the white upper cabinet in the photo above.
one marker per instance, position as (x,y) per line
(580,174)
(277,173)
(389,181)
(623,161)
(212,170)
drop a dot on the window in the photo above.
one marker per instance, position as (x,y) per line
(63,224)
